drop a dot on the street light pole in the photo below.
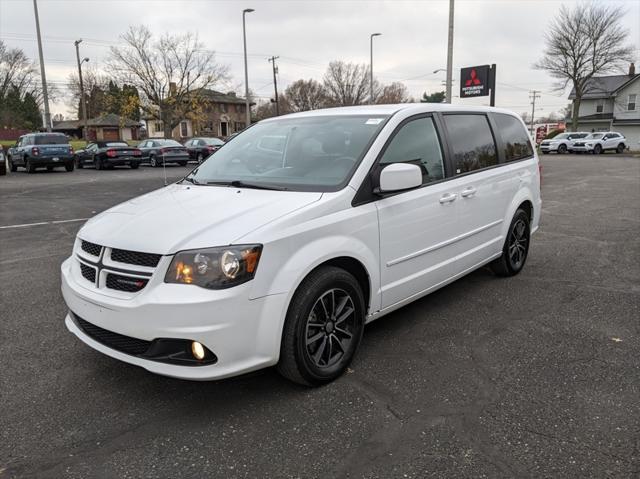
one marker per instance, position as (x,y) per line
(45,94)
(371,66)
(83,103)
(450,54)
(246,72)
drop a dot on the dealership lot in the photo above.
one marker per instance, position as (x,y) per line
(533,376)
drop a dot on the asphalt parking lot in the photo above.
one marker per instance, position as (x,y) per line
(533,376)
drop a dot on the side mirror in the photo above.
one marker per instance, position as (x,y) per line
(400,176)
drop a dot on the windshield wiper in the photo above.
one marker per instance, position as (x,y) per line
(244,184)
(191,180)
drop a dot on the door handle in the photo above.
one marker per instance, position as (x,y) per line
(448,198)
(468,192)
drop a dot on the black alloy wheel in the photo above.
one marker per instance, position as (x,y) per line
(620,148)
(516,247)
(562,149)
(597,150)
(29,166)
(323,327)
(200,158)
(153,162)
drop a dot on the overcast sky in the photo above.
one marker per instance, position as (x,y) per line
(307,35)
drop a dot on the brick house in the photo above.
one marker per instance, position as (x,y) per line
(105,127)
(612,103)
(223,114)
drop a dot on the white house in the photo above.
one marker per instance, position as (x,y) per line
(612,103)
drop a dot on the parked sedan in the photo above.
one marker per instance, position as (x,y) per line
(160,151)
(201,148)
(107,154)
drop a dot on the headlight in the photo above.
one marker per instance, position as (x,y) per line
(215,268)
(588,144)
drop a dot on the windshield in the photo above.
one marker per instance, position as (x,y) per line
(594,136)
(213,141)
(50,140)
(167,143)
(561,136)
(306,154)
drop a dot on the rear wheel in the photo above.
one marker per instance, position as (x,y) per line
(182,163)
(79,164)
(12,166)
(134,166)
(516,247)
(30,167)
(153,162)
(49,168)
(620,148)
(97,162)
(200,158)
(69,166)
(323,327)
(597,150)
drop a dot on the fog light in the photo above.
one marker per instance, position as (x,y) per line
(197,350)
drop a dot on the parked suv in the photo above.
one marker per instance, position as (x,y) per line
(41,150)
(600,142)
(561,143)
(278,252)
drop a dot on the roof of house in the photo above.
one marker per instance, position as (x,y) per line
(219,97)
(109,119)
(604,87)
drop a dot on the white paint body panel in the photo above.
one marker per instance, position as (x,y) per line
(410,243)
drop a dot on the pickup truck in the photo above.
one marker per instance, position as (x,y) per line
(41,150)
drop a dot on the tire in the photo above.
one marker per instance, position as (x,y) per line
(69,166)
(545,152)
(12,167)
(97,163)
(519,233)
(49,168)
(78,162)
(3,167)
(326,293)
(29,166)
(562,149)
(620,148)
(200,158)
(153,162)
(134,166)
(182,163)
(597,150)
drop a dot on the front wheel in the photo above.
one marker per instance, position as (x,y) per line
(620,148)
(12,166)
(200,158)
(562,149)
(30,167)
(597,150)
(516,247)
(323,327)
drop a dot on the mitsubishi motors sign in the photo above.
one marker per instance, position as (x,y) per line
(475,81)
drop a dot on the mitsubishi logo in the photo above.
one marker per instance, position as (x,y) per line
(474,79)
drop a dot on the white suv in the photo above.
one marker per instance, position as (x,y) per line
(561,143)
(600,142)
(280,247)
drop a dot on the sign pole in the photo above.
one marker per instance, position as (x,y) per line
(492,100)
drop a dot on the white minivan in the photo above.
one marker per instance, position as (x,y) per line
(281,246)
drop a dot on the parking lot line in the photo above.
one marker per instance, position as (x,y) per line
(53,222)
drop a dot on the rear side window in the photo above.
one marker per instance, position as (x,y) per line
(514,137)
(471,141)
(51,140)
(417,143)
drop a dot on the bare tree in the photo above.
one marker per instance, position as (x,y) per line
(17,71)
(348,84)
(304,95)
(396,92)
(582,42)
(170,73)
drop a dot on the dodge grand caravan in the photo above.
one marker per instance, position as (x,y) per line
(280,247)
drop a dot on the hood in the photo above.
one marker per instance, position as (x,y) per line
(179,217)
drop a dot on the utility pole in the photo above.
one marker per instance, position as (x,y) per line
(533,94)
(45,94)
(449,55)
(371,66)
(83,103)
(247,103)
(275,82)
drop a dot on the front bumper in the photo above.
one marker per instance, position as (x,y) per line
(244,334)
(548,148)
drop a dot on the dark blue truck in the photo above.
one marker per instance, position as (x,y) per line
(41,150)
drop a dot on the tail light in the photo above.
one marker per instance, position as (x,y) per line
(163,150)
(137,153)
(70,150)
(35,151)
(112,153)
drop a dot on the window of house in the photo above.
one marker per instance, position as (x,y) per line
(631,102)
(514,137)
(599,106)
(417,143)
(239,125)
(184,131)
(157,126)
(240,108)
(223,107)
(472,142)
